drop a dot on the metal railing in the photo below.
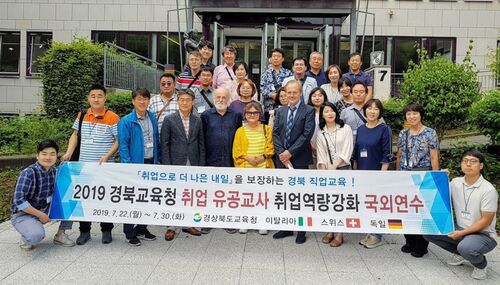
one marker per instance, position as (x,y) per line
(485,78)
(128,70)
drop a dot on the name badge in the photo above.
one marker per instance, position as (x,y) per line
(201,109)
(49,199)
(465,215)
(88,141)
(363,152)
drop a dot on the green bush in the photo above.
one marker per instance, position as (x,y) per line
(445,89)
(21,135)
(68,70)
(485,115)
(393,115)
(9,179)
(120,103)
(450,158)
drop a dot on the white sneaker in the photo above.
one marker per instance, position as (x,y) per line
(479,274)
(26,246)
(263,232)
(373,242)
(64,240)
(456,260)
(243,231)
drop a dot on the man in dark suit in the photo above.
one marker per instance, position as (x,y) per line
(292,132)
(182,142)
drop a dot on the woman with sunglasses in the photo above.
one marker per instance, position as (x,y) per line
(253,144)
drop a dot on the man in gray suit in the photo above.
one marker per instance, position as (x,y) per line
(293,128)
(182,142)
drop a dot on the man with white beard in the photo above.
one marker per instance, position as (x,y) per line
(220,125)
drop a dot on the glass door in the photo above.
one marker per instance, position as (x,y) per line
(323,43)
(218,41)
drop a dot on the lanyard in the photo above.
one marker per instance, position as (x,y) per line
(466,201)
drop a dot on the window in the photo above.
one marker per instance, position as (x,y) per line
(404,51)
(38,44)
(172,43)
(10,43)
(441,46)
(140,43)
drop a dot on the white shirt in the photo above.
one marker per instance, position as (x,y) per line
(470,201)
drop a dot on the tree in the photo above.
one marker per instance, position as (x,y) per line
(68,70)
(445,89)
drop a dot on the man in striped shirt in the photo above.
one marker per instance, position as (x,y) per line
(98,143)
(32,197)
(165,103)
(189,78)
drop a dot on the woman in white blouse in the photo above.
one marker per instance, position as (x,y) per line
(334,149)
(332,91)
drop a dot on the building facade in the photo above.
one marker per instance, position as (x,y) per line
(28,26)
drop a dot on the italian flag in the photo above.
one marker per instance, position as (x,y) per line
(309,221)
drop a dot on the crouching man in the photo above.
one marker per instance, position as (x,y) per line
(32,197)
(475,203)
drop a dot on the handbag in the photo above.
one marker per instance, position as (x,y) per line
(76,153)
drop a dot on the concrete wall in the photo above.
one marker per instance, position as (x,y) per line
(66,19)
(463,20)
(479,21)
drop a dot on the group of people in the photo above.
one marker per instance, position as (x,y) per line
(210,116)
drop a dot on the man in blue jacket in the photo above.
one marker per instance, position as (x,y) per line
(138,143)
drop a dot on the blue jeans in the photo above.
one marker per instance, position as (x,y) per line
(31,229)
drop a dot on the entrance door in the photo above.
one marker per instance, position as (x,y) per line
(218,42)
(324,39)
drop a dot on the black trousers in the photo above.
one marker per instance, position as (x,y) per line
(86,226)
(417,243)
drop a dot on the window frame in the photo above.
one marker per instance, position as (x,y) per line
(16,73)
(29,50)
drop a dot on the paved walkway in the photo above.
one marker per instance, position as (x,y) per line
(221,258)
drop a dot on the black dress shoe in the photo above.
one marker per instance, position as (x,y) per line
(282,234)
(301,238)
(419,254)
(406,248)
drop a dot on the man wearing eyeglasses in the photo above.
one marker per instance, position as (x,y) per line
(165,103)
(475,202)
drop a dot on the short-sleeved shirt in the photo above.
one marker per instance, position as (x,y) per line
(333,95)
(320,77)
(200,103)
(341,105)
(417,148)
(184,80)
(350,117)
(156,105)
(98,134)
(256,145)
(372,147)
(474,199)
(270,82)
(223,74)
(359,77)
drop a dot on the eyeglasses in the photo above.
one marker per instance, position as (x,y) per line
(252,113)
(167,84)
(471,161)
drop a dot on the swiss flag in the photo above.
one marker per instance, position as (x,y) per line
(353,223)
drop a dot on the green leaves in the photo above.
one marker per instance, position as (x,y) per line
(445,89)
(485,115)
(68,71)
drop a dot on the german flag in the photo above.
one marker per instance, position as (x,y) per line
(395,224)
